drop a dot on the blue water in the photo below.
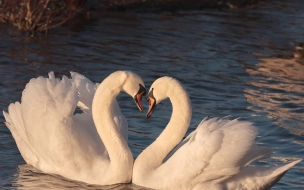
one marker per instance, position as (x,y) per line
(229,61)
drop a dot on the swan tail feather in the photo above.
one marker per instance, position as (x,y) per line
(259,177)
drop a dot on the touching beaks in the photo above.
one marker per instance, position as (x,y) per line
(152,106)
(138,97)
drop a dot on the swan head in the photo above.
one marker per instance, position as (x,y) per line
(160,90)
(134,86)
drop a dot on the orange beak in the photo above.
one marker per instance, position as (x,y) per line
(138,100)
(152,106)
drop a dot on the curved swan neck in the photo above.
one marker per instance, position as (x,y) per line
(103,116)
(179,121)
(172,134)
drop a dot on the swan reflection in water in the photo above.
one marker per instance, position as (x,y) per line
(278,88)
(29,177)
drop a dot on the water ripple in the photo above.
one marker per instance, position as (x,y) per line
(232,62)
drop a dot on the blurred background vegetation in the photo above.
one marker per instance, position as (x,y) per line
(41,15)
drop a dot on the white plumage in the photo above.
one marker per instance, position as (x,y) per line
(215,156)
(55,140)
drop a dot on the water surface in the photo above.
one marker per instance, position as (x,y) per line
(232,62)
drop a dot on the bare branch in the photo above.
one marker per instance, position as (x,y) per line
(35,15)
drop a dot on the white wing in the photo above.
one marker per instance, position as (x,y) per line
(48,134)
(215,151)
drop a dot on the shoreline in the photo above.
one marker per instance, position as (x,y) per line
(30,16)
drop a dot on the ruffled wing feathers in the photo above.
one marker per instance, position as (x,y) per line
(86,91)
(46,111)
(217,150)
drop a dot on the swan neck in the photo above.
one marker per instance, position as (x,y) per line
(103,116)
(178,124)
(172,134)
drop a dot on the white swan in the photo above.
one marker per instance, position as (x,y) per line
(55,140)
(214,156)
